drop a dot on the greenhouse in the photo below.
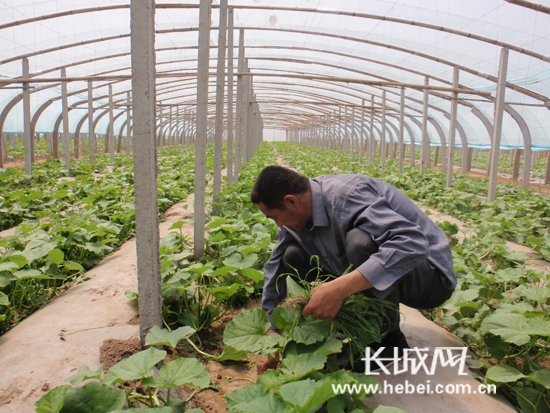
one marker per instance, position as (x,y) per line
(143,264)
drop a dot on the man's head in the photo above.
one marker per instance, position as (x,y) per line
(284,196)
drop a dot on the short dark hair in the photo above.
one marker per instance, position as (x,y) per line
(274,183)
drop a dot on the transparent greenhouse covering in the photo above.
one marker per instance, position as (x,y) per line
(309,60)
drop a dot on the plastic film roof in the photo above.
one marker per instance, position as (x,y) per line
(403,41)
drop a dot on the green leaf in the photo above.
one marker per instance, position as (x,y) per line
(223,270)
(56,256)
(508,326)
(163,409)
(94,397)
(246,395)
(308,332)
(73,266)
(18,259)
(154,381)
(540,377)
(6,279)
(503,374)
(84,373)
(130,295)
(536,294)
(135,367)
(185,371)
(306,395)
(309,395)
(52,402)
(252,274)
(272,379)
(532,400)
(157,336)
(60,194)
(236,260)
(4,300)
(337,404)
(177,225)
(497,347)
(246,332)
(255,399)
(327,347)
(229,250)
(231,354)
(537,327)
(97,247)
(225,292)
(37,249)
(7,266)
(293,288)
(220,236)
(303,364)
(388,409)
(462,296)
(30,273)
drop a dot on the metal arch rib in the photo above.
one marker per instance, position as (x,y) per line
(537,8)
(402,49)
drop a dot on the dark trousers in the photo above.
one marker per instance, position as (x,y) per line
(420,288)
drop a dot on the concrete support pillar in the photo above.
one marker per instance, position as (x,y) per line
(3,150)
(145,165)
(176,127)
(66,144)
(220,86)
(246,117)
(230,96)
(352,133)
(27,138)
(91,132)
(202,119)
(425,141)
(452,129)
(112,138)
(383,135)
(167,128)
(362,133)
(371,131)
(497,128)
(346,132)
(239,130)
(401,130)
(129,142)
(340,132)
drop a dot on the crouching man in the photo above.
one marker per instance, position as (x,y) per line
(395,251)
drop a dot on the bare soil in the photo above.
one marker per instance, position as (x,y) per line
(225,378)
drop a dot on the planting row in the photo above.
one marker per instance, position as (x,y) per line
(69,226)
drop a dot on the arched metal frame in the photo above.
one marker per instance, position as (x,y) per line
(299,112)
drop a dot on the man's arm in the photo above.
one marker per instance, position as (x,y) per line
(401,246)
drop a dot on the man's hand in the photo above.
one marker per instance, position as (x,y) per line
(326,299)
(324,303)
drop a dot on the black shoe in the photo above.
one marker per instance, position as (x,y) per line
(382,355)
